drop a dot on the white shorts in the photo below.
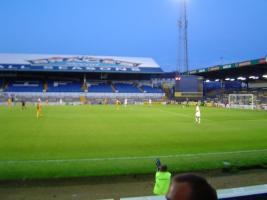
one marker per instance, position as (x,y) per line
(197,114)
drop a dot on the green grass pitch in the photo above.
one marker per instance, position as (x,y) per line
(75,141)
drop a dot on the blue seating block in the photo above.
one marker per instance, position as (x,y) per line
(149,89)
(24,86)
(126,88)
(61,86)
(102,87)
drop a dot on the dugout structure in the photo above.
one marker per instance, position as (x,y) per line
(244,77)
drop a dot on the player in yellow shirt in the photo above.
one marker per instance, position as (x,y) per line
(39,108)
(117,104)
(9,102)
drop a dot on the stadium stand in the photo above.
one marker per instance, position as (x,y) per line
(64,86)
(100,87)
(63,77)
(125,77)
(24,86)
(240,77)
(126,88)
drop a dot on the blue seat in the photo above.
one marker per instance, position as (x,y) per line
(64,86)
(24,86)
(232,85)
(212,85)
(149,89)
(102,87)
(126,88)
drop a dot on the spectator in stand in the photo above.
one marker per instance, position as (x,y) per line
(163,180)
(191,187)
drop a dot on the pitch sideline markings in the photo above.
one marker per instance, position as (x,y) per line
(131,158)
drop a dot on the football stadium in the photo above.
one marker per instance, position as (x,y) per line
(104,116)
(139,121)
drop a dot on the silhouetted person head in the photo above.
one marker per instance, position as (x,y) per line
(163,168)
(191,187)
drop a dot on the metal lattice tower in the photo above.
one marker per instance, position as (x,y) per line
(183,60)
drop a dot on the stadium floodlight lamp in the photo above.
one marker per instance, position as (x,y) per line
(232,79)
(227,79)
(241,78)
(217,80)
(254,77)
(178,78)
(264,76)
(207,81)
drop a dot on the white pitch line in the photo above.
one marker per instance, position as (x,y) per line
(130,158)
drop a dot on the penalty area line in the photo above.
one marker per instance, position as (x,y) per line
(131,158)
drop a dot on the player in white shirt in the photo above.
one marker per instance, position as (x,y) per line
(125,102)
(149,101)
(197,115)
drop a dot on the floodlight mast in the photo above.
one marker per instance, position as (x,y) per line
(183,60)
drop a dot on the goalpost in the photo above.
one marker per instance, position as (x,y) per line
(242,101)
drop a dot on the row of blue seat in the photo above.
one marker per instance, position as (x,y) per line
(64,86)
(149,89)
(61,86)
(25,86)
(126,88)
(102,87)
(229,85)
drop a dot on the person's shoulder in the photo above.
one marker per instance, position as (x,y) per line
(169,174)
(163,174)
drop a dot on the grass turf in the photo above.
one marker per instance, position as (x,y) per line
(62,142)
